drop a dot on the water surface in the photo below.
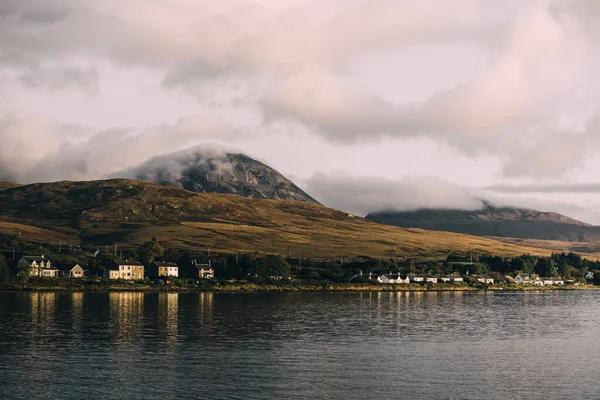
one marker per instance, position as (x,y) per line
(457,345)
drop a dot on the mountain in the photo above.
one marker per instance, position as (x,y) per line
(494,221)
(213,170)
(129,212)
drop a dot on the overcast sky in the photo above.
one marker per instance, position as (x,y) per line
(365,104)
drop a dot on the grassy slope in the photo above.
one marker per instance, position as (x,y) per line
(8,185)
(130,212)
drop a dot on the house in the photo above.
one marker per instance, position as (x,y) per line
(130,270)
(415,278)
(430,279)
(521,279)
(158,269)
(455,278)
(38,266)
(443,278)
(549,281)
(70,270)
(389,278)
(485,280)
(508,279)
(196,270)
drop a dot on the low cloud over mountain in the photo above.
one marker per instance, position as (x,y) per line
(212,169)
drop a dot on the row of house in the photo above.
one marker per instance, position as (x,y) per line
(128,270)
(538,281)
(453,278)
(395,278)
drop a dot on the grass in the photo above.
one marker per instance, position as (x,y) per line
(130,212)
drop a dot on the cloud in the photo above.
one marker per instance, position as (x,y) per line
(52,78)
(172,169)
(546,188)
(294,62)
(362,195)
(36,149)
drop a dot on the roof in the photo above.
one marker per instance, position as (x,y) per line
(165,264)
(33,258)
(65,267)
(116,264)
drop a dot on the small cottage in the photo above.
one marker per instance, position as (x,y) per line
(70,270)
(197,270)
(129,270)
(485,280)
(163,269)
(415,278)
(521,279)
(389,278)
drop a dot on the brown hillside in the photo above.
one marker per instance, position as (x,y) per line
(130,212)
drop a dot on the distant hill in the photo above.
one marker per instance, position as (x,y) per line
(129,212)
(213,170)
(8,185)
(494,221)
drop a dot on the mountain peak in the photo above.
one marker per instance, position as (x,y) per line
(214,169)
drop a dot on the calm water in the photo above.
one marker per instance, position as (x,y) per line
(300,345)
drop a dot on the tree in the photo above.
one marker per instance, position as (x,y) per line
(24,271)
(4,272)
(149,251)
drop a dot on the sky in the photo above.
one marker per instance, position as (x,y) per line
(367,105)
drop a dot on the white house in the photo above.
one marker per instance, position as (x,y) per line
(129,270)
(485,280)
(520,279)
(443,278)
(39,266)
(431,279)
(389,278)
(455,278)
(549,281)
(415,278)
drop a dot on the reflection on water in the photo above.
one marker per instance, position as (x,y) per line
(299,345)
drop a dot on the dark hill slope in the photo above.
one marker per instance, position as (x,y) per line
(494,221)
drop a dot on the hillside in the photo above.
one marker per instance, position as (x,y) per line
(213,170)
(8,185)
(494,221)
(130,212)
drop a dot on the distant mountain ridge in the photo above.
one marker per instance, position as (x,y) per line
(214,170)
(494,221)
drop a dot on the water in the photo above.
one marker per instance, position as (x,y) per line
(300,345)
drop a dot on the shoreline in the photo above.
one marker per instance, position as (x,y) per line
(279,288)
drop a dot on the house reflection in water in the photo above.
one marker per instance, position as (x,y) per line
(168,316)
(126,314)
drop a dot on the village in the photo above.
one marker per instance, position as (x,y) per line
(40,266)
(520,279)
(129,270)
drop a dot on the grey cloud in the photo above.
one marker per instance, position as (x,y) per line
(546,188)
(526,85)
(60,77)
(36,149)
(362,195)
